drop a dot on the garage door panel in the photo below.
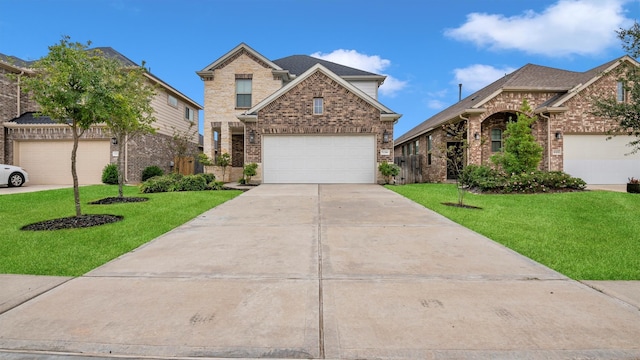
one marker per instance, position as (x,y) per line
(597,160)
(318,159)
(49,162)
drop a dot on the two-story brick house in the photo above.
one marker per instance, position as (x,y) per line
(301,119)
(573,139)
(43,147)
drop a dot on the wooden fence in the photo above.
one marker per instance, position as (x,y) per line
(410,169)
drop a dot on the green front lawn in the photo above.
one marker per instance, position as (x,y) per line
(73,252)
(590,235)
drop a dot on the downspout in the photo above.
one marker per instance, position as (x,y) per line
(548,140)
(18,95)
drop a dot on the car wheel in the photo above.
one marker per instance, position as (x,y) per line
(16,180)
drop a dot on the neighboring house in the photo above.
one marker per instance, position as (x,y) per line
(301,119)
(43,147)
(574,140)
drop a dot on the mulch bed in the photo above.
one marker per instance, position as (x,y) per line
(73,222)
(118,200)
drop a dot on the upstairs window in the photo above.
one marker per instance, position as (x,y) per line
(496,140)
(621,93)
(243,93)
(417,147)
(188,113)
(172,100)
(318,106)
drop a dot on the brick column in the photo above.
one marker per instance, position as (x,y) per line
(474,153)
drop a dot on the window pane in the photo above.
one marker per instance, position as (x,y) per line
(243,86)
(243,101)
(496,140)
(429,140)
(318,106)
(621,92)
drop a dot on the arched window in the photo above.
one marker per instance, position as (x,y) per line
(496,140)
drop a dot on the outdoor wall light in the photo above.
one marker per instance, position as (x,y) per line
(385,136)
(558,135)
(114,141)
(252,137)
(476,136)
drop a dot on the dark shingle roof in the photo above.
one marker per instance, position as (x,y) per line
(530,77)
(30,118)
(298,64)
(15,61)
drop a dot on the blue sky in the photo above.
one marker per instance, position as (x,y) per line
(426,48)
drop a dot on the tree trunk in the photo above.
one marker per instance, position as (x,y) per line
(121,156)
(74,172)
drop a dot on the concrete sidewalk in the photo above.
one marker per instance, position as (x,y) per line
(321,271)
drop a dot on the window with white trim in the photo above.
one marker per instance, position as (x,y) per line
(621,92)
(318,106)
(243,92)
(172,100)
(188,113)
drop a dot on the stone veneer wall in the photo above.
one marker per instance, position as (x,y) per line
(220,96)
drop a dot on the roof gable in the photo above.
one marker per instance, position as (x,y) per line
(242,48)
(299,64)
(385,112)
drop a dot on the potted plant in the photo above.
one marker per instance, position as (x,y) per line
(633,186)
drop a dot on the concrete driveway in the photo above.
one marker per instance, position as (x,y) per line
(321,271)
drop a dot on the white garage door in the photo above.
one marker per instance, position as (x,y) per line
(49,162)
(319,159)
(597,160)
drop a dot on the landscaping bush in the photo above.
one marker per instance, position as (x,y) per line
(250,170)
(388,171)
(177,182)
(191,183)
(151,171)
(483,178)
(110,174)
(156,184)
(208,177)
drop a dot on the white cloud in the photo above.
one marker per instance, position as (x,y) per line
(477,76)
(582,27)
(436,104)
(371,63)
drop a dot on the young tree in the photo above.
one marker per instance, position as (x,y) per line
(72,86)
(625,113)
(181,144)
(454,153)
(521,152)
(223,161)
(131,112)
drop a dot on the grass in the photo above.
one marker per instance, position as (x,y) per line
(73,252)
(590,235)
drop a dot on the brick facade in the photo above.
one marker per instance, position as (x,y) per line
(574,117)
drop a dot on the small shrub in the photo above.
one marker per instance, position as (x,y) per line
(156,184)
(151,171)
(486,179)
(208,177)
(191,183)
(215,185)
(388,170)
(250,170)
(110,174)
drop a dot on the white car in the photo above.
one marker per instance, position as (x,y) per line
(12,176)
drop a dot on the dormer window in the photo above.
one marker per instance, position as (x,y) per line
(318,106)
